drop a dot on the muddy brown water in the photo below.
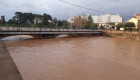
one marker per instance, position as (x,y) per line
(80,58)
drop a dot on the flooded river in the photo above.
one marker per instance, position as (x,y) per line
(79,58)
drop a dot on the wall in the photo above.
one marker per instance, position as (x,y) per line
(123,34)
(8,68)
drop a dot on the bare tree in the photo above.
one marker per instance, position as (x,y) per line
(79,21)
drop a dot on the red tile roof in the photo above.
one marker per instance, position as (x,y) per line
(136,15)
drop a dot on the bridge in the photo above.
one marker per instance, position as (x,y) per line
(45,32)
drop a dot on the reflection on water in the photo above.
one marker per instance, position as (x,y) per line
(81,58)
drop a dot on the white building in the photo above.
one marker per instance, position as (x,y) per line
(37,20)
(70,20)
(107,20)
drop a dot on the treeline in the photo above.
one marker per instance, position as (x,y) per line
(46,20)
(29,19)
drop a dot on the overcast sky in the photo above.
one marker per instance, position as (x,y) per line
(62,10)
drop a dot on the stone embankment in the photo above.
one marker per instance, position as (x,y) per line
(8,69)
(123,34)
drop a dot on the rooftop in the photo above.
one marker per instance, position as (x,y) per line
(134,16)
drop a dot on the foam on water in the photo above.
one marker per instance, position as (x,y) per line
(17,38)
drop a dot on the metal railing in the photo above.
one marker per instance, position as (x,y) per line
(7,28)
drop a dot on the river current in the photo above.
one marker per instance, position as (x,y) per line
(77,58)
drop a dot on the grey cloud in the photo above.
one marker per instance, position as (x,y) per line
(63,11)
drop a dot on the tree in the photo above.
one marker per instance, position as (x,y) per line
(30,19)
(11,21)
(90,23)
(64,23)
(119,25)
(18,17)
(23,18)
(126,25)
(55,22)
(79,21)
(45,19)
(60,23)
(129,26)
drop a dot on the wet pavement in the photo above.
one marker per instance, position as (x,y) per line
(8,69)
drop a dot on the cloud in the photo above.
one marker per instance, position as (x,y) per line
(63,11)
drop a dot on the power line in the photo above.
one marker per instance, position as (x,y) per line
(87,8)
(82,7)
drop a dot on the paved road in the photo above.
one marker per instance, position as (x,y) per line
(8,69)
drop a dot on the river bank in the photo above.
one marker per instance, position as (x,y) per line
(134,35)
(8,69)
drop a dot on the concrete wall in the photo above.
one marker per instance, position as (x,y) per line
(123,34)
(8,69)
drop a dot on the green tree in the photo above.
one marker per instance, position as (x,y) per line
(55,22)
(119,25)
(130,26)
(90,23)
(60,23)
(126,25)
(11,21)
(23,18)
(45,19)
(64,23)
(18,17)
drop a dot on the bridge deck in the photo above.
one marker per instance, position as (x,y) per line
(34,30)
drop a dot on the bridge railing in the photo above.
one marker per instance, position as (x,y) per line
(7,28)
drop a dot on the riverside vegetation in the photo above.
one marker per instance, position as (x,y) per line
(46,20)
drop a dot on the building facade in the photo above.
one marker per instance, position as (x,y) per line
(136,20)
(107,20)
(2,19)
(137,16)
(37,20)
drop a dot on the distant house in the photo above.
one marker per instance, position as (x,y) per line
(37,20)
(50,21)
(135,19)
(137,16)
